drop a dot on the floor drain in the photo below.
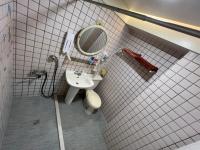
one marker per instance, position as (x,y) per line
(35,122)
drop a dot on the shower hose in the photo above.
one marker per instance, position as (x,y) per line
(50,59)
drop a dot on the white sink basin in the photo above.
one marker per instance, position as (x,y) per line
(81,81)
(76,81)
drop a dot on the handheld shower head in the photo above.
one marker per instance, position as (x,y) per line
(51,58)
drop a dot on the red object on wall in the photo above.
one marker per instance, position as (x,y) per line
(140,59)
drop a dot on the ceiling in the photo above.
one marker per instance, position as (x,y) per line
(185,11)
(180,12)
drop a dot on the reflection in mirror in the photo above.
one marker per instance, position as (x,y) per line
(91,40)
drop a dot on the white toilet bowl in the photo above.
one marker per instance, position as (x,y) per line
(92,101)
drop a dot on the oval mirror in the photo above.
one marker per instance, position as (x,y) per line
(91,40)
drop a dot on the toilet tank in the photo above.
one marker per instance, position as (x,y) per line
(96,79)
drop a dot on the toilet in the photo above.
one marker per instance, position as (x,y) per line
(92,100)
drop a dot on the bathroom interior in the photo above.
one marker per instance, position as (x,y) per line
(99,75)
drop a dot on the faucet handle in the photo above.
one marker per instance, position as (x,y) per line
(78,72)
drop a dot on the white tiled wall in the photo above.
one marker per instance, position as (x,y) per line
(163,116)
(159,113)
(127,78)
(6,63)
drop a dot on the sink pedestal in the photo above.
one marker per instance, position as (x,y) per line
(71,94)
(76,81)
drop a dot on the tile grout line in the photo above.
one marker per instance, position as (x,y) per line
(58,118)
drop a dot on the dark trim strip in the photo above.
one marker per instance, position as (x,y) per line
(179,28)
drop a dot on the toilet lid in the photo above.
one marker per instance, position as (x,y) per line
(93,99)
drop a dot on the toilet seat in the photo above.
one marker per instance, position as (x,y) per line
(93,99)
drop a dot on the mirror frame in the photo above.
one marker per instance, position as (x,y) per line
(82,32)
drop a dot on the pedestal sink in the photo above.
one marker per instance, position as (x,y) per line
(76,80)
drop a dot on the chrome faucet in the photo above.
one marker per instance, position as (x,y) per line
(78,72)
